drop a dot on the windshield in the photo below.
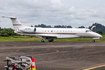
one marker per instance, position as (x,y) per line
(88,31)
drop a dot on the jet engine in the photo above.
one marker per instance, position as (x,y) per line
(26,30)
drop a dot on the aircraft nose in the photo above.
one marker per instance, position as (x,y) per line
(99,35)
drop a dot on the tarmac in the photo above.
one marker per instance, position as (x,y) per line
(57,55)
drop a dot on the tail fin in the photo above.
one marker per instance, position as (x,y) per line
(15,21)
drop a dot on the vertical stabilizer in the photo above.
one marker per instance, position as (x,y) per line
(15,21)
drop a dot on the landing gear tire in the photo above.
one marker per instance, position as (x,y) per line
(93,41)
(43,41)
(51,40)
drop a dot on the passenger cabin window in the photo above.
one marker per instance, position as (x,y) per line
(86,30)
(27,28)
(51,30)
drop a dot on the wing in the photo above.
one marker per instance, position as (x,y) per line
(57,36)
(47,36)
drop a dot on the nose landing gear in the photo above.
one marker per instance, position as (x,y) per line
(93,41)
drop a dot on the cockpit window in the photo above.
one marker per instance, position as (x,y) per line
(88,31)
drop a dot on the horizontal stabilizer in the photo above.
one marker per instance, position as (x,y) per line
(8,17)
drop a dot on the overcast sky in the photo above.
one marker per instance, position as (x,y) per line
(53,12)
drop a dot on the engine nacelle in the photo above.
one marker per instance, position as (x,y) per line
(26,29)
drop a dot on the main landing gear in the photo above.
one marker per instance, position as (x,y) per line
(43,40)
(49,40)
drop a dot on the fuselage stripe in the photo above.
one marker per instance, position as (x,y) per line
(17,24)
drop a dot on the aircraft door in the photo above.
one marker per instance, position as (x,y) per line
(34,29)
(87,35)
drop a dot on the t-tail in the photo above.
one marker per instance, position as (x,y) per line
(15,21)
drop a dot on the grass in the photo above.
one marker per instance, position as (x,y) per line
(34,39)
(81,39)
(18,39)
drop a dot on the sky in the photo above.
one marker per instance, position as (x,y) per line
(53,12)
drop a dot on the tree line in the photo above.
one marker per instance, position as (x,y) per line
(56,26)
(6,32)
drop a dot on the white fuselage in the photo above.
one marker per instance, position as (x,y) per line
(58,32)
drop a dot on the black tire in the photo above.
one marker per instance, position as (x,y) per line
(93,41)
(42,41)
(51,40)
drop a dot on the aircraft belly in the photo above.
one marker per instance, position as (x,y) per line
(57,35)
(67,36)
(46,35)
(86,35)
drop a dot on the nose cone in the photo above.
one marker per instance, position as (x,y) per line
(98,35)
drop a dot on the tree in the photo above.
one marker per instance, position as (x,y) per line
(99,32)
(7,32)
(99,27)
(81,27)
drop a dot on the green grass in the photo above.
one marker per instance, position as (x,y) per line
(19,39)
(34,39)
(81,39)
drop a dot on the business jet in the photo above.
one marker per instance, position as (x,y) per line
(52,33)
